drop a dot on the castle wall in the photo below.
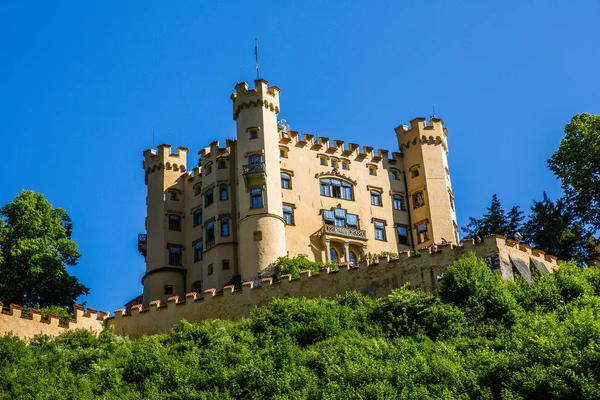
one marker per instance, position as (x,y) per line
(27,326)
(420,270)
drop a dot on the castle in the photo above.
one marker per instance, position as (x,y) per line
(273,192)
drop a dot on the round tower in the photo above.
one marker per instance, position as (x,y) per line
(431,201)
(165,272)
(261,225)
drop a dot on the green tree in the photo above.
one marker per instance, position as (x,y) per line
(577,164)
(553,228)
(495,221)
(35,249)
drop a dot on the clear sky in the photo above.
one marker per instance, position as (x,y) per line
(82,84)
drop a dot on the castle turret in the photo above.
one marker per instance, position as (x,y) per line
(431,201)
(261,221)
(165,272)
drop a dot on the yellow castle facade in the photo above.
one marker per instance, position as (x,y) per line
(273,192)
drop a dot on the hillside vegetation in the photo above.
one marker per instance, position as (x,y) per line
(479,337)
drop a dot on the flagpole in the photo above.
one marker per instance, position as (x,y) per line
(256,54)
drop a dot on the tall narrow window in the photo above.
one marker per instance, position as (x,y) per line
(256,198)
(336,188)
(340,217)
(210,269)
(376,198)
(198,217)
(346,191)
(334,164)
(418,200)
(198,249)
(326,187)
(224,226)
(209,197)
(286,180)
(174,222)
(208,168)
(402,234)
(394,176)
(414,171)
(333,255)
(223,192)
(398,202)
(288,214)
(254,159)
(210,233)
(372,170)
(345,165)
(175,255)
(422,234)
(352,256)
(379,230)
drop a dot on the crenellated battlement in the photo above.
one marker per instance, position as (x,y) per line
(432,133)
(163,158)
(27,325)
(262,95)
(422,269)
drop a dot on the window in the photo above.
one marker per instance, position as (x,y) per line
(288,214)
(398,201)
(334,164)
(336,188)
(402,234)
(422,234)
(197,189)
(225,264)
(198,217)
(175,255)
(208,168)
(418,200)
(286,180)
(323,161)
(252,132)
(414,171)
(174,222)
(379,230)
(372,170)
(376,198)
(353,258)
(256,198)
(451,197)
(223,192)
(339,217)
(208,197)
(254,159)
(333,255)
(174,195)
(345,165)
(210,269)
(210,232)
(394,176)
(198,249)
(257,235)
(168,289)
(224,226)
(222,164)
(283,152)
(197,287)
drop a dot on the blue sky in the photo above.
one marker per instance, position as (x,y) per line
(82,84)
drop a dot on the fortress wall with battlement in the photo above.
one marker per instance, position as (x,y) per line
(419,270)
(26,326)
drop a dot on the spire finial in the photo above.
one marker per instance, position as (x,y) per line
(256,54)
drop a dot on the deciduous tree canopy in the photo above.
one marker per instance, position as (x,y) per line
(35,249)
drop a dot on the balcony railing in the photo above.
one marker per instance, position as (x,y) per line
(142,241)
(210,244)
(343,231)
(253,168)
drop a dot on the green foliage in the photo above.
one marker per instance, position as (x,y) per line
(286,265)
(576,164)
(481,337)
(35,249)
(495,221)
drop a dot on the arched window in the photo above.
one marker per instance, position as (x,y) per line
(333,256)
(286,180)
(336,188)
(352,256)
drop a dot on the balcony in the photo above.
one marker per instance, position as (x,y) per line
(353,233)
(142,241)
(253,173)
(253,169)
(210,244)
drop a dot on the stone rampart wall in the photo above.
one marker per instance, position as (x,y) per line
(420,270)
